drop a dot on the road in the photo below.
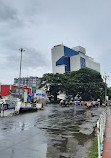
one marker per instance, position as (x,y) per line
(56,132)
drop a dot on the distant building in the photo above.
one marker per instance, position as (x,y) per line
(65,59)
(32,82)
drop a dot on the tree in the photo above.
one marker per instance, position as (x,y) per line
(109,93)
(85,83)
(52,83)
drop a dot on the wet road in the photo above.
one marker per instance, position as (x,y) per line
(56,132)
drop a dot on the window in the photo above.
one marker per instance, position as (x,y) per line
(82,62)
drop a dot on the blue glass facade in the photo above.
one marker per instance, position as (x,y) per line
(61,61)
(67,64)
(65,60)
(69,52)
(82,62)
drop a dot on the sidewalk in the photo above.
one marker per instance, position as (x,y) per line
(107,140)
(8,112)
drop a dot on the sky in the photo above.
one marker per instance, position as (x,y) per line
(38,25)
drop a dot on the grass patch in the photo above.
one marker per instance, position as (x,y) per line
(94,149)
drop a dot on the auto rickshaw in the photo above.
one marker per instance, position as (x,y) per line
(89,104)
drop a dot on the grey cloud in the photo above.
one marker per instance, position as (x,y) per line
(42,24)
(7,13)
(19,14)
(10,16)
(30,59)
(35,59)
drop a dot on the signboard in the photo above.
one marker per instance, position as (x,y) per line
(29,97)
(40,96)
(40,93)
(25,96)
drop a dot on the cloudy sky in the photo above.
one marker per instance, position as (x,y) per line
(38,25)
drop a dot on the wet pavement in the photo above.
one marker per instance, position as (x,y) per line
(56,132)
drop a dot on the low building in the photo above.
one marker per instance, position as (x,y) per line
(65,59)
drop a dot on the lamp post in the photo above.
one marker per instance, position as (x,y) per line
(105,77)
(21,50)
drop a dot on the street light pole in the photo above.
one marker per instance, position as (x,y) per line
(21,50)
(105,77)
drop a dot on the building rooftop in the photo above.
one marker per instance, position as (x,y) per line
(79,49)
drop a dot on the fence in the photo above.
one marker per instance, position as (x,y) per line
(101,131)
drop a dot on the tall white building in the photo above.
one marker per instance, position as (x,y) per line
(65,59)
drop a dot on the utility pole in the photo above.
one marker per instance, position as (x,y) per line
(21,50)
(105,77)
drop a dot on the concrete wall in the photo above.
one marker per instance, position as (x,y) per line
(75,63)
(92,65)
(57,52)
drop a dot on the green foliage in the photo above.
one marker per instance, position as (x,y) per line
(109,93)
(85,83)
(94,149)
(53,83)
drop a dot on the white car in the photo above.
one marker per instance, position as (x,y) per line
(3,101)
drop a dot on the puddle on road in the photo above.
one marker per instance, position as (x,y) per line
(77,137)
(65,132)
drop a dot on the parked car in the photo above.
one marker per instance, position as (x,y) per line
(5,103)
